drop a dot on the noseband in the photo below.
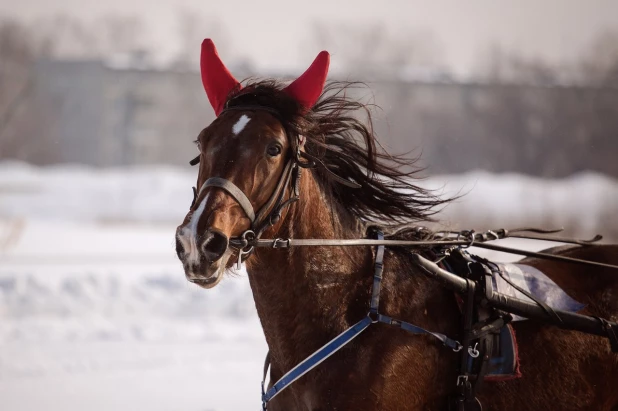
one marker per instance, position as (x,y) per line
(235,192)
(270,213)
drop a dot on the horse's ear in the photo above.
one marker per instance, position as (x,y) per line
(307,88)
(217,80)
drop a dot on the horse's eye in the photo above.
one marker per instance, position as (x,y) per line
(273,150)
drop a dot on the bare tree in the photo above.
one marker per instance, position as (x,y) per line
(599,65)
(499,66)
(371,51)
(192,28)
(22,124)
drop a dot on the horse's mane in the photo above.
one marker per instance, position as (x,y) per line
(348,146)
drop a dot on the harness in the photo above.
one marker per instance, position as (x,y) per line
(373,316)
(484,312)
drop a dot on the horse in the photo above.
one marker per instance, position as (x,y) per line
(305,296)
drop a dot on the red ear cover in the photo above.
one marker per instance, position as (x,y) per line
(308,87)
(218,81)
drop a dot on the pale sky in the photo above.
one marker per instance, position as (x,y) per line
(281,33)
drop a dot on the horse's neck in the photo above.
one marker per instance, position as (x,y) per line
(305,295)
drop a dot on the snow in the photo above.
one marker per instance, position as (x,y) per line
(95,312)
(100,317)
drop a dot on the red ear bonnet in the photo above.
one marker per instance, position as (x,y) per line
(307,88)
(217,80)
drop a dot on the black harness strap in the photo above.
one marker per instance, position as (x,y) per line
(490,326)
(612,333)
(377,277)
(465,393)
(270,212)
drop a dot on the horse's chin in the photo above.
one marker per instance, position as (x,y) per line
(212,275)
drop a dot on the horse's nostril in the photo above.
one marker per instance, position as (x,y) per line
(215,245)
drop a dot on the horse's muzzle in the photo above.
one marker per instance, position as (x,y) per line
(204,257)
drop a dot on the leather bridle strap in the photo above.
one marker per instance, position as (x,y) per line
(235,192)
(275,199)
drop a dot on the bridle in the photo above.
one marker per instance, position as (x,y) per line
(270,213)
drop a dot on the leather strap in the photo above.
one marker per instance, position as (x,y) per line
(235,192)
(315,242)
(377,276)
(313,360)
(275,198)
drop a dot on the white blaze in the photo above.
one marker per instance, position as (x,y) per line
(188,235)
(240,124)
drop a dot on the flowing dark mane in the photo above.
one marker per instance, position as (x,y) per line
(340,133)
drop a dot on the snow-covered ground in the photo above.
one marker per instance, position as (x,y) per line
(95,313)
(100,317)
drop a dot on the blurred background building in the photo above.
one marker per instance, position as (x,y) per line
(513,104)
(99,114)
(99,92)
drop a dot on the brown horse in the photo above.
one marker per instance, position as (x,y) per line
(307,296)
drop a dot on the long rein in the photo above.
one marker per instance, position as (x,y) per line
(248,241)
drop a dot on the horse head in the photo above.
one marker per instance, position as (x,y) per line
(245,162)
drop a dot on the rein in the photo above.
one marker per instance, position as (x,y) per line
(450,238)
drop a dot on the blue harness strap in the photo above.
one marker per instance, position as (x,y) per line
(314,359)
(415,329)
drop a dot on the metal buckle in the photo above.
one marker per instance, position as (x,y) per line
(247,248)
(492,234)
(462,380)
(374,315)
(473,352)
(276,242)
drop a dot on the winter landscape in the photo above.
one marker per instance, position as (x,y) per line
(95,312)
(511,106)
